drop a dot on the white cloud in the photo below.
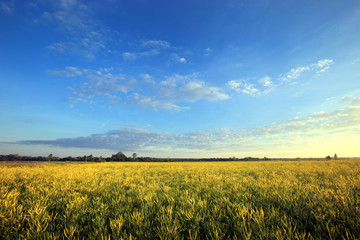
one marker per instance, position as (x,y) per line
(156,43)
(106,84)
(266,81)
(176,58)
(234,84)
(173,80)
(241,86)
(135,55)
(182,60)
(145,76)
(320,66)
(87,48)
(148,48)
(249,89)
(102,84)
(68,72)
(208,52)
(193,91)
(129,55)
(294,73)
(97,85)
(188,88)
(266,84)
(287,132)
(323,65)
(180,88)
(149,102)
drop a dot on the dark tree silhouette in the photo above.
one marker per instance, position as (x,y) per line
(120,156)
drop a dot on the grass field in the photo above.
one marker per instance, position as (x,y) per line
(227,200)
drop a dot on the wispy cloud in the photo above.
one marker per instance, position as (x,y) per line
(195,90)
(130,139)
(167,93)
(69,72)
(355,101)
(207,52)
(105,84)
(179,89)
(83,35)
(241,86)
(294,73)
(129,55)
(345,99)
(138,49)
(136,55)
(156,43)
(125,139)
(7,7)
(100,83)
(150,102)
(319,67)
(323,65)
(150,48)
(179,59)
(260,87)
(266,84)
(266,81)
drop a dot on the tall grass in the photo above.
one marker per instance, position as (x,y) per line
(237,200)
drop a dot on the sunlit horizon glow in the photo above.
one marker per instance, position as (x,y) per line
(180,79)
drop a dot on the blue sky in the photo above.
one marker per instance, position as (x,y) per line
(180,78)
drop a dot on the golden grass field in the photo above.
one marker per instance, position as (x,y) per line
(184,200)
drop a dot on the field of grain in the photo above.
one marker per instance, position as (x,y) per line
(227,200)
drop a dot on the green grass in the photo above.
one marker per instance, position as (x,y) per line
(227,200)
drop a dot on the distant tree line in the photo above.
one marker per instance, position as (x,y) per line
(118,157)
(121,157)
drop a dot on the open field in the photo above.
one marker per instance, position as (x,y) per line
(227,200)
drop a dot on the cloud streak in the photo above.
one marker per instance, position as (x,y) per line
(7,7)
(131,139)
(68,72)
(83,36)
(266,84)
(319,67)
(156,44)
(136,55)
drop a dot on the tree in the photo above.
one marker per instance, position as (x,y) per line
(89,158)
(99,159)
(120,156)
(328,157)
(134,156)
(335,156)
